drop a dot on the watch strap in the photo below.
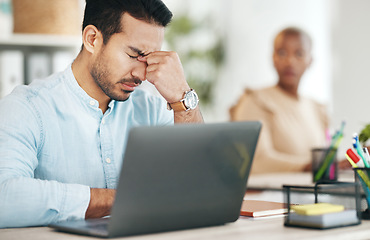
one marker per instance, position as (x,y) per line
(177,106)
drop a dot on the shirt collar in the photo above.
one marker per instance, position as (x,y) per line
(76,88)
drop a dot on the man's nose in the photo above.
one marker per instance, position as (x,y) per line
(290,59)
(139,71)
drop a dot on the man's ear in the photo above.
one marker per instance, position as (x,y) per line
(91,38)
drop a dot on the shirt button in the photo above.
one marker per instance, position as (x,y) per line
(103,121)
(108,160)
(92,103)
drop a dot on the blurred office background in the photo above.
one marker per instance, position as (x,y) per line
(338,77)
(226,46)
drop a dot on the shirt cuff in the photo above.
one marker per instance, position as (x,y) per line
(75,202)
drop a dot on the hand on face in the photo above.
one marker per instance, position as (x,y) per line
(165,72)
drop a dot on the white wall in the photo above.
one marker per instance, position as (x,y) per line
(251,28)
(339,75)
(351,66)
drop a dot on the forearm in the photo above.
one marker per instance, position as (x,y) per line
(101,202)
(192,116)
(31,202)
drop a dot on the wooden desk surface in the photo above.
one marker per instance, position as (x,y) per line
(244,228)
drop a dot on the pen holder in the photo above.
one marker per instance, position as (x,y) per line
(324,164)
(346,194)
(362,177)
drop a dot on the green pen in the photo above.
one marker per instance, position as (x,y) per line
(356,145)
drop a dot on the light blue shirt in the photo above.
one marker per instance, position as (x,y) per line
(55,143)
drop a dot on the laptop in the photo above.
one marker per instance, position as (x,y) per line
(177,177)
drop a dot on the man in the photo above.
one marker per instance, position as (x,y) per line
(292,124)
(62,139)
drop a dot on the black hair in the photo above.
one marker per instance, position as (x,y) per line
(296,32)
(106,15)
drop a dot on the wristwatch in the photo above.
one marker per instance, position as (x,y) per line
(190,101)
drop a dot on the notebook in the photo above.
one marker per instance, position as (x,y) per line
(178,177)
(258,208)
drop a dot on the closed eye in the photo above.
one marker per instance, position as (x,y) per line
(133,57)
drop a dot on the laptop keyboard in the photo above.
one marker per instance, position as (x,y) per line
(99,224)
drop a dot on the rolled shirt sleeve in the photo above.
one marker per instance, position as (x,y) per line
(24,200)
(33,202)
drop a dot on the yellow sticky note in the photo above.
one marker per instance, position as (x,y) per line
(317,208)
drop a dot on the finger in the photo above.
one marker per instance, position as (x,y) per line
(151,77)
(159,53)
(154,73)
(160,57)
(143,58)
(152,68)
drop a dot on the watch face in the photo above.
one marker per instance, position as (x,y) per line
(191,99)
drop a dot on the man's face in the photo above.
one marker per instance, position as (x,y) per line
(291,58)
(115,67)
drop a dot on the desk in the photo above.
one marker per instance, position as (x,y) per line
(243,228)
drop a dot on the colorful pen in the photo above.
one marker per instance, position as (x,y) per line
(356,146)
(355,158)
(364,179)
(328,137)
(330,153)
(366,154)
(363,175)
(329,158)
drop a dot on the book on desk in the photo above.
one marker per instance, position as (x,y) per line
(258,208)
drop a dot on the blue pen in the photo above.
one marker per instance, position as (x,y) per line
(356,145)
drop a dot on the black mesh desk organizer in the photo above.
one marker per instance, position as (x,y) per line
(334,192)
